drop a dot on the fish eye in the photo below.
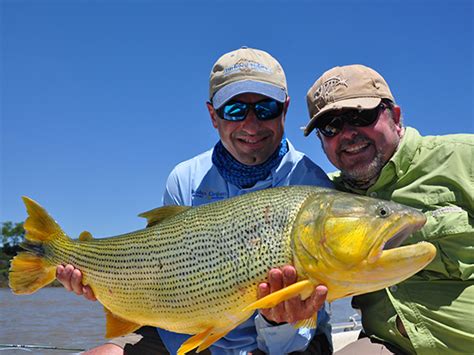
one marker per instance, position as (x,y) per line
(383,212)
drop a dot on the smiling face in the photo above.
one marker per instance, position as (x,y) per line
(250,141)
(361,152)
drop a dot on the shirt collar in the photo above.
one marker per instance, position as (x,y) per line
(403,157)
(285,166)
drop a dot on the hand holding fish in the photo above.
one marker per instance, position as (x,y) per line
(71,279)
(294,309)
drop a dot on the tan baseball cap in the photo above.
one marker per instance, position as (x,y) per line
(351,86)
(246,70)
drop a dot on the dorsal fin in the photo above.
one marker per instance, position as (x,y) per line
(85,236)
(159,214)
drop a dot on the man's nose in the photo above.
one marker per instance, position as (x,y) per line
(348,131)
(251,124)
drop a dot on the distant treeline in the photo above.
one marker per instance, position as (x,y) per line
(13,234)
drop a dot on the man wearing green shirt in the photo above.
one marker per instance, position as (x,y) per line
(361,131)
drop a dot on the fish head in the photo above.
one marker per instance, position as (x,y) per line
(351,243)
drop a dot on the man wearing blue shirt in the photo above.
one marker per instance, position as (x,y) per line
(248,101)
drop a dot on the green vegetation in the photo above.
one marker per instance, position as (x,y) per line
(4,264)
(13,234)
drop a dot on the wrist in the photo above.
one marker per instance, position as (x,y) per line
(272,323)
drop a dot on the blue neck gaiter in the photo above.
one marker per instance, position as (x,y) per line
(241,175)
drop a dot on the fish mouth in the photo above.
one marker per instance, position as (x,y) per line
(397,239)
(397,235)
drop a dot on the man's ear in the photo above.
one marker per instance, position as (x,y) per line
(287,103)
(397,119)
(212,113)
(285,109)
(397,115)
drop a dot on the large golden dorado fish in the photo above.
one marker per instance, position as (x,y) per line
(196,270)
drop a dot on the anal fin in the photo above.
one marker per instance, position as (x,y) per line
(116,326)
(301,288)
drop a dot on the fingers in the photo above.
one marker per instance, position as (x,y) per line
(63,274)
(294,309)
(88,293)
(71,279)
(276,280)
(76,282)
(316,301)
(262,291)
(274,283)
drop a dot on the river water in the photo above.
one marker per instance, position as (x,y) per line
(57,318)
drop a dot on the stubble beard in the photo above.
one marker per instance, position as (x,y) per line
(363,177)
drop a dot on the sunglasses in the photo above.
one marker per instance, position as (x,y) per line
(265,110)
(330,124)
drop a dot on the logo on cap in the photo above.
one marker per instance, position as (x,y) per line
(323,93)
(246,66)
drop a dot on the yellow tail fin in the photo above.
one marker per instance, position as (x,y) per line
(39,226)
(29,271)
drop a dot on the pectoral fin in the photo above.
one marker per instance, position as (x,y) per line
(116,326)
(194,342)
(206,338)
(308,323)
(301,288)
(212,338)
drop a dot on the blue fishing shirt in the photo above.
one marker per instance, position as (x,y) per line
(197,182)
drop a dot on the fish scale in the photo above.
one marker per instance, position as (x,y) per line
(214,237)
(225,241)
(196,270)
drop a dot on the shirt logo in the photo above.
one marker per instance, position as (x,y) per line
(246,66)
(208,195)
(324,92)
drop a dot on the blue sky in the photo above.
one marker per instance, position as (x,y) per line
(100,99)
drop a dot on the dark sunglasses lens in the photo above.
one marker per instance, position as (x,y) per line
(268,109)
(234,111)
(364,118)
(332,128)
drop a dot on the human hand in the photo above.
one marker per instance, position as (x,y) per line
(294,309)
(71,279)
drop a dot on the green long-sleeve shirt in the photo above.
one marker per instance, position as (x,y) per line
(433,174)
